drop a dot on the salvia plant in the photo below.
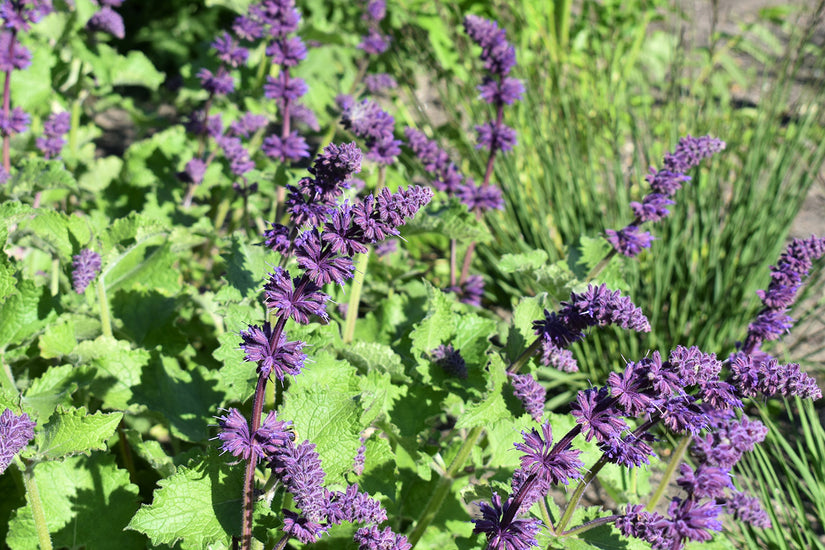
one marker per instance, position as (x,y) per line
(222,337)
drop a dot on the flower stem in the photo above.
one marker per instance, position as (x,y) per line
(675,460)
(103,302)
(355,296)
(444,484)
(525,356)
(577,494)
(33,495)
(599,267)
(55,279)
(590,525)
(7,105)
(249,478)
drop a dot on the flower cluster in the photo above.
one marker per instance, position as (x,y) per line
(86,266)
(498,88)
(597,306)
(449,359)
(15,434)
(54,129)
(107,20)
(375,126)
(690,151)
(374,42)
(531,394)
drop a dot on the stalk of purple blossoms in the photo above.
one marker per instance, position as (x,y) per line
(368,121)
(86,266)
(107,19)
(374,42)
(324,253)
(54,129)
(664,183)
(17,16)
(15,434)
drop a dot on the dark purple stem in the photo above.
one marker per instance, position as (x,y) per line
(249,479)
(7,105)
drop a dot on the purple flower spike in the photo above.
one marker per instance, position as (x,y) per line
(705,481)
(752,377)
(238,441)
(15,123)
(15,434)
(378,82)
(549,464)
(228,50)
(287,52)
(449,359)
(13,55)
(519,534)
(86,267)
(747,509)
(647,526)
(53,131)
(373,538)
(470,292)
(498,55)
(495,137)
(690,520)
(294,299)
(508,91)
(480,198)
(299,469)
(596,417)
(219,83)
(107,20)
(690,151)
(291,148)
(281,359)
(303,529)
(629,241)
(531,394)
(193,172)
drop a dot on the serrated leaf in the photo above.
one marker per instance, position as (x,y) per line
(450,219)
(592,251)
(55,387)
(149,262)
(437,326)
(73,431)
(151,451)
(60,232)
(58,339)
(101,173)
(375,357)
(114,369)
(87,503)
(197,507)
(31,89)
(20,314)
(246,265)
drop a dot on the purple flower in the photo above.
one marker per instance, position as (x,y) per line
(320,266)
(248,28)
(386,247)
(86,266)
(376,10)
(237,154)
(193,172)
(449,359)
(228,50)
(728,439)
(238,441)
(107,20)
(291,148)
(13,55)
(282,357)
(652,208)
(247,125)
(690,151)
(287,52)
(596,416)
(16,122)
(631,389)
(629,241)
(495,137)
(496,53)
(690,520)
(360,457)
(628,450)
(375,126)
(747,509)
(53,130)
(562,359)
(692,366)
(665,182)
(531,394)
(334,166)
(19,15)
(752,377)
(508,90)
(640,524)
(374,43)
(373,538)
(354,506)
(378,82)
(303,529)
(282,88)
(470,291)
(15,434)
(519,534)
(219,83)
(551,464)
(682,414)
(705,481)
(297,299)
(480,198)
(299,469)
(277,238)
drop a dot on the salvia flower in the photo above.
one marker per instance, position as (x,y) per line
(19,15)
(531,394)
(373,538)
(747,509)
(594,412)
(13,55)
(704,481)
(107,20)
(239,441)
(727,440)
(303,528)
(470,291)
(519,534)
(15,433)
(15,123)
(379,82)
(436,161)
(54,129)
(294,298)
(449,359)
(86,266)
(751,377)
(280,358)
(375,126)
(551,464)
(689,152)
(299,469)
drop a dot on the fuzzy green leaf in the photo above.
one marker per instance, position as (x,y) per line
(113,369)
(54,387)
(591,252)
(525,261)
(73,431)
(246,265)
(451,220)
(198,507)
(151,451)
(375,357)
(87,503)
(58,339)
(438,325)
(20,314)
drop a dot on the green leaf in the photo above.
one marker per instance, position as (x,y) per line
(246,265)
(149,262)
(58,339)
(492,407)
(374,357)
(451,220)
(87,503)
(151,451)
(526,261)
(198,507)
(437,326)
(32,89)
(55,387)
(63,234)
(113,369)
(20,314)
(591,252)
(38,174)
(73,431)
(101,173)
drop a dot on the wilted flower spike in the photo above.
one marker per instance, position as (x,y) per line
(519,534)
(86,267)
(15,434)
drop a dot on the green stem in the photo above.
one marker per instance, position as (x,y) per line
(444,486)
(7,380)
(524,357)
(355,296)
(675,460)
(36,504)
(220,215)
(577,494)
(55,281)
(600,266)
(545,515)
(590,525)
(103,302)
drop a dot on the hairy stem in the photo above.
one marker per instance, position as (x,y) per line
(103,302)
(444,484)
(33,495)
(525,356)
(590,525)
(577,494)
(249,478)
